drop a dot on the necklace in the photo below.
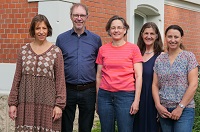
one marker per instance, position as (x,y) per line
(149,52)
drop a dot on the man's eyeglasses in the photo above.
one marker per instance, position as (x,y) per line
(79,15)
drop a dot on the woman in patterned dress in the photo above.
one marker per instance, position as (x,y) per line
(174,84)
(38,92)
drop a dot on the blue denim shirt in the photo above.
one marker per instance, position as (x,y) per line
(79,53)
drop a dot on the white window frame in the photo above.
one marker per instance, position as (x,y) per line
(142,15)
(184,4)
(144,21)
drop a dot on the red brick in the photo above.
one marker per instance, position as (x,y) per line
(190,22)
(19,15)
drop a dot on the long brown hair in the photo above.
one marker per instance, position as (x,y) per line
(158,44)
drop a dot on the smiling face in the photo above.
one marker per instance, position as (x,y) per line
(173,39)
(117,30)
(41,31)
(149,36)
(79,17)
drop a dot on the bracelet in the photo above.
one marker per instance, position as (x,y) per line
(181,105)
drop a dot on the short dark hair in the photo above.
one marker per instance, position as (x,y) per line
(158,44)
(116,17)
(77,5)
(176,27)
(35,20)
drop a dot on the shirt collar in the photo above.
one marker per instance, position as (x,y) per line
(84,33)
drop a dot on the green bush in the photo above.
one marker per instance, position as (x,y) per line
(196,127)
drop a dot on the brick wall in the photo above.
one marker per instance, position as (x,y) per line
(99,13)
(14,24)
(16,16)
(190,22)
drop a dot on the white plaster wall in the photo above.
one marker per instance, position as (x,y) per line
(193,1)
(184,4)
(130,10)
(58,14)
(6,77)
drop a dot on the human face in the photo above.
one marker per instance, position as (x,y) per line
(173,39)
(79,18)
(149,36)
(41,31)
(117,30)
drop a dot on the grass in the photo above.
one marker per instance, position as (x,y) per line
(97,127)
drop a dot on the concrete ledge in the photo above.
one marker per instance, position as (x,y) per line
(6,124)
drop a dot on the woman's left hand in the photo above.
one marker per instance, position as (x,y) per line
(176,113)
(134,108)
(57,113)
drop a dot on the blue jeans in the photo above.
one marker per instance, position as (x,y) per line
(115,106)
(85,100)
(184,124)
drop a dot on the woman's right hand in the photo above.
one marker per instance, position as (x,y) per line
(12,112)
(163,112)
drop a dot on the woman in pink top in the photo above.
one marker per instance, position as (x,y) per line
(119,79)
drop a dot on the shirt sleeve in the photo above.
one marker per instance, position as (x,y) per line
(60,81)
(99,57)
(155,67)
(99,43)
(137,57)
(13,96)
(192,62)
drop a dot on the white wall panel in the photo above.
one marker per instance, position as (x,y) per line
(58,14)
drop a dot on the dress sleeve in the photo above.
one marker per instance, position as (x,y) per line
(13,96)
(60,81)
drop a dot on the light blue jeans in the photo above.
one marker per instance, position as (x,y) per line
(115,106)
(184,124)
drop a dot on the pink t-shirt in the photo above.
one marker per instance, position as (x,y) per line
(118,70)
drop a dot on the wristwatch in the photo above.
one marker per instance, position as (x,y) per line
(181,105)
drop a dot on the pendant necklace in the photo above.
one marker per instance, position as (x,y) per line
(149,52)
